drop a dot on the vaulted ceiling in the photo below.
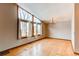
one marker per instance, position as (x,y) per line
(49,11)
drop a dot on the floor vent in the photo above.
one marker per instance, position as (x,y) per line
(4,53)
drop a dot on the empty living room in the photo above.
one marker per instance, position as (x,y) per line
(39,29)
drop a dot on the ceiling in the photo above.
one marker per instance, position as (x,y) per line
(50,11)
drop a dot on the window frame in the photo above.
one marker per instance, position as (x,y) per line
(21,20)
(40,28)
(20,29)
(32,24)
(37,27)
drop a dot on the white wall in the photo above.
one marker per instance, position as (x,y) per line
(8,28)
(61,29)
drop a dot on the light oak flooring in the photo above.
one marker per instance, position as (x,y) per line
(44,47)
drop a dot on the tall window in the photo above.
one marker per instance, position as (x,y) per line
(23,28)
(25,20)
(37,26)
(29,25)
(39,29)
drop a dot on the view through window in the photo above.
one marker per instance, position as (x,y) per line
(25,24)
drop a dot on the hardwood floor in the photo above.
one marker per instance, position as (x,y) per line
(44,47)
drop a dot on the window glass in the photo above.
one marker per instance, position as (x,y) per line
(23,15)
(29,17)
(37,26)
(30,30)
(39,29)
(37,20)
(26,28)
(23,28)
(35,29)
